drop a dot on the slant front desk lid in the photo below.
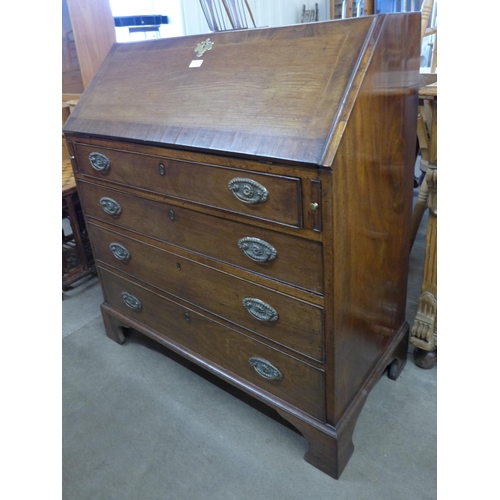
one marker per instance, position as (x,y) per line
(277,93)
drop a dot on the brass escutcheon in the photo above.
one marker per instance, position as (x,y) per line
(202,47)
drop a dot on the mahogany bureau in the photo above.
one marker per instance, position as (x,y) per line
(248,196)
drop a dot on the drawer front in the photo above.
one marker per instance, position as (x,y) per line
(284,376)
(284,319)
(264,196)
(279,256)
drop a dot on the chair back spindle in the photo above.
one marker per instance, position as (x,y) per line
(224,15)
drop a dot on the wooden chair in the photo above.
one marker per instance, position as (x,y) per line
(77,258)
(353,8)
(224,15)
(309,15)
(429,28)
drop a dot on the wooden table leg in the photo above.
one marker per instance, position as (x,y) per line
(424,330)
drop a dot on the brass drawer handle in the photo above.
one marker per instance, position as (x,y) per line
(99,162)
(248,190)
(110,206)
(257,250)
(265,369)
(260,310)
(119,251)
(131,301)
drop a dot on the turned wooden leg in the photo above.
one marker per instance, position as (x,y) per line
(424,329)
(425,359)
(114,329)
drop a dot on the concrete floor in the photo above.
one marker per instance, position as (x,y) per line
(140,423)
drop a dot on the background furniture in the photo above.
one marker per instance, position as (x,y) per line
(258,222)
(428,34)
(240,14)
(223,15)
(424,329)
(309,15)
(92,34)
(77,258)
(343,9)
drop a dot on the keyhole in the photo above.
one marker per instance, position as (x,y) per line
(178,267)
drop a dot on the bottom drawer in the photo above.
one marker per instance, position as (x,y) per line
(297,383)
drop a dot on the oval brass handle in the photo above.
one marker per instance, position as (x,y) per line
(248,190)
(99,162)
(131,301)
(265,369)
(161,168)
(110,206)
(259,309)
(119,251)
(257,250)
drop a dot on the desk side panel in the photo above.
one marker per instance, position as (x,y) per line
(372,204)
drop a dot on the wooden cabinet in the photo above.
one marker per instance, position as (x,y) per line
(250,208)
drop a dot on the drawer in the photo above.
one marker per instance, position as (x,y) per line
(296,382)
(283,257)
(271,197)
(281,318)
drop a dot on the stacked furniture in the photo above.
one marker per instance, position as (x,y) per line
(77,258)
(248,198)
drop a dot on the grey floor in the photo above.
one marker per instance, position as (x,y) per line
(139,423)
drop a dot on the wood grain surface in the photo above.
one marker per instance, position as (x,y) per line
(272,93)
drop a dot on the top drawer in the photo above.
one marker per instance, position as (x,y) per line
(264,196)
